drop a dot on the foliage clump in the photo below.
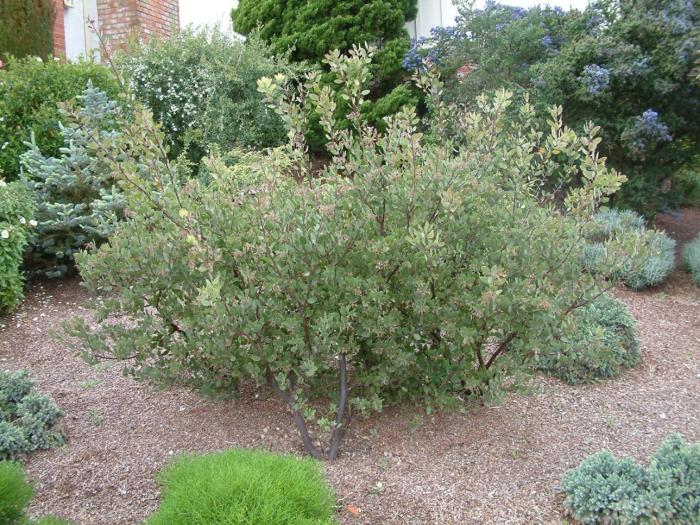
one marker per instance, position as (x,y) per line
(16,217)
(30,91)
(26,28)
(650,255)
(27,417)
(402,271)
(15,494)
(244,486)
(77,200)
(606,489)
(202,87)
(599,344)
(691,258)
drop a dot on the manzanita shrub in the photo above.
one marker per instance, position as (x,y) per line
(77,199)
(400,271)
(618,491)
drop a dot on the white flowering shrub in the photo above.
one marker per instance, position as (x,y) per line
(77,200)
(201,86)
(16,217)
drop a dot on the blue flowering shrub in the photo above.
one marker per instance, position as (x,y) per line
(626,66)
(618,491)
(691,258)
(649,254)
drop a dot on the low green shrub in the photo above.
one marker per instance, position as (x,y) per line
(78,200)
(691,258)
(27,417)
(244,486)
(15,493)
(29,92)
(613,234)
(601,341)
(618,491)
(16,216)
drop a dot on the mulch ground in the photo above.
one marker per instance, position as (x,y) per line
(499,464)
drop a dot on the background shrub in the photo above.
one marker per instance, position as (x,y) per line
(29,92)
(650,254)
(624,65)
(244,486)
(27,418)
(402,261)
(26,28)
(606,489)
(15,493)
(78,201)
(16,216)
(601,341)
(202,87)
(691,258)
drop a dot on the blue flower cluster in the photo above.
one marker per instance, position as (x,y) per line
(679,16)
(431,49)
(647,131)
(595,78)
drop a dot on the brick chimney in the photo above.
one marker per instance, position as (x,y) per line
(119,18)
(59,34)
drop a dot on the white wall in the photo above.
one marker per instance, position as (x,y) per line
(80,40)
(431,13)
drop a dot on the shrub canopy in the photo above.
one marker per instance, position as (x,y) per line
(201,85)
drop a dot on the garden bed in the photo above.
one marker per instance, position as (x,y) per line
(489,465)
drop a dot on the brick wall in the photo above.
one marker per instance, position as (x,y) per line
(119,18)
(59,33)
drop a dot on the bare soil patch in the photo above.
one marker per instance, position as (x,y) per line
(488,465)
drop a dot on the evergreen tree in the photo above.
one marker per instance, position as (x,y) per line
(26,28)
(78,201)
(311,28)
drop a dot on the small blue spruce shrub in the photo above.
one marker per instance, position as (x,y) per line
(618,491)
